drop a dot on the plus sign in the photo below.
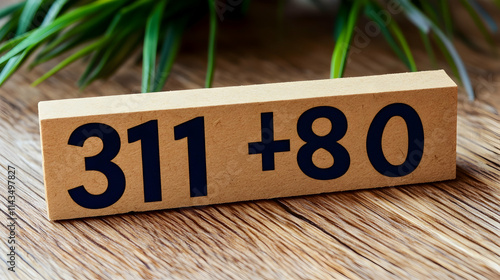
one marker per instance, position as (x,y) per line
(268,146)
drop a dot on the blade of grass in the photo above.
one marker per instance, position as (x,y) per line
(404,44)
(113,45)
(119,23)
(169,51)
(477,20)
(60,23)
(111,57)
(150,46)
(27,15)
(87,30)
(424,24)
(447,56)
(341,50)
(75,33)
(120,55)
(446,16)
(10,9)
(402,50)
(12,42)
(7,30)
(54,10)
(428,48)
(64,47)
(13,64)
(341,18)
(79,54)
(484,15)
(211,44)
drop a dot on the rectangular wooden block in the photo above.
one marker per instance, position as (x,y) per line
(139,152)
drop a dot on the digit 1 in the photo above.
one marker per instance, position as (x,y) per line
(151,176)
(101,162)
(194,130)
(415,140)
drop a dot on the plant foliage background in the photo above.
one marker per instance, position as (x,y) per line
(109,31)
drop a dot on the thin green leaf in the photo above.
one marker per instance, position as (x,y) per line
(54,10)
(63,47)
(60,23)
(169,51)
(87,30)
(11,9)
(7,29)
(150,46)
(120,55)
(29,12)
(404,44)
(341,50)
(430,11)
(446,16)
(113,47)
(341,19)
(403,51)
(211,44)
(115,54)
(80,33)
(428,48)
(13,64)
(12,42)
(477,20)
(484,15)
(447,57)
(79,54)
(424,24)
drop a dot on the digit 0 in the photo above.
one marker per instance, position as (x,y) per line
(415,140)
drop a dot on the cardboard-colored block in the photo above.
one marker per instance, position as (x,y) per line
(140,152)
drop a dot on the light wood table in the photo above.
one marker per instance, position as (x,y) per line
(429,231)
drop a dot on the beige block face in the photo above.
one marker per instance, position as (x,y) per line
(120,154)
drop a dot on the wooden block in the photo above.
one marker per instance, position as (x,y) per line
(140,152)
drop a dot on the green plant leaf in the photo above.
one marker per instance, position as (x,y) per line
(428,48)
(88,29)
(13,64)
(60,23)
(477,20)
(341,50)
(211,44)
(424,24)
(12,42)
(484,15)
(169,51)
(116,47)
(150,46)
(79,54)
(27,15)
(7,29)
(114,55)
(11,9)
(403,51)
(54,10)
(404,44)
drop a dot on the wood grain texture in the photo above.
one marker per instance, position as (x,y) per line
(445,230)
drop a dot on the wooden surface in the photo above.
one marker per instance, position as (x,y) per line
(441,230)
